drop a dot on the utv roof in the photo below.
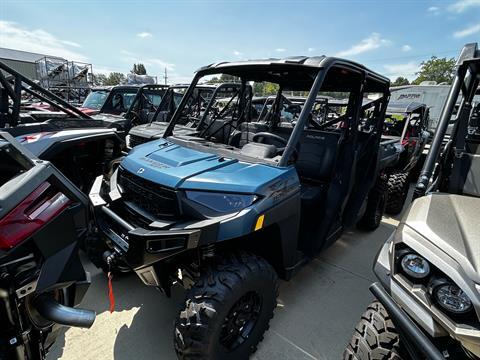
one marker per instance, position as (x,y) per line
(396,107)
(119,87)
(295,72)
(470,54)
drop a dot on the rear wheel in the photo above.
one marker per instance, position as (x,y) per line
(227,311)
(375,337)
(376,201)
(398,184)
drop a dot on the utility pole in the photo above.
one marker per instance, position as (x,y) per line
(165,76)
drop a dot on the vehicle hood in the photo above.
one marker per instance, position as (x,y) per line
(153,130)
(450,222)
(38,143)
(88,111)
(109,118)
(179,167)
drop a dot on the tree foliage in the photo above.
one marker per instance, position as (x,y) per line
(115,78)
(139,69)
(224,78)
(436,69)
(401,81)
(265,88)
(99,79)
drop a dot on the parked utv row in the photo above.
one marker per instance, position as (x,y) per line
(224,192)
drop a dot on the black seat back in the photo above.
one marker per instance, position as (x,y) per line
(317,154)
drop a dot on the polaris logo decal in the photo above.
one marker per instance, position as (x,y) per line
(155,163)
(140,171)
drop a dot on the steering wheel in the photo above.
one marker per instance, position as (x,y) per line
(135,118)
(279,139)
(269,135)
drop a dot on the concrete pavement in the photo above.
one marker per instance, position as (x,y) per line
(317,310)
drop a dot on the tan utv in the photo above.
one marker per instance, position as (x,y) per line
(427,302)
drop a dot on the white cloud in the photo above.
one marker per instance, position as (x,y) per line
(407,70)
(280,50)
(470,30)
(17,37)
(374,41)
(460,6)
(434,10)
(237,53)
(129,57)
(103,70)
(144,35)
(311,49)
(406,48)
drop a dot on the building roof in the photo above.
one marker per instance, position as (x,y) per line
(19,55)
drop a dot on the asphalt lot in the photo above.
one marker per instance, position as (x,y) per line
(317,310)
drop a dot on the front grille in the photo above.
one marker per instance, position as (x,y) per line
(152,198)
(135,140)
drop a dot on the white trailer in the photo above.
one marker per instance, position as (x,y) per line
(429,93)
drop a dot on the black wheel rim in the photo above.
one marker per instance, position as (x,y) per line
(241,320)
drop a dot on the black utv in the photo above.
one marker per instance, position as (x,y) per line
(227,209)
(407,123)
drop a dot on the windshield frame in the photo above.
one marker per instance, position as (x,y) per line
(318,73)
(96,92)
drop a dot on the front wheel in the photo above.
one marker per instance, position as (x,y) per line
(398,184)
(375,337)
(228,309)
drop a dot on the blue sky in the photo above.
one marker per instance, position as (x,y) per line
(391,37)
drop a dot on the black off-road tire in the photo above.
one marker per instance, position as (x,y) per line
(398,185)
(375,337)
(377,199)
(201,324)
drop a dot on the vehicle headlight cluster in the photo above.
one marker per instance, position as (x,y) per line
(415,266)
(221,202)
(451,298)
(444,292)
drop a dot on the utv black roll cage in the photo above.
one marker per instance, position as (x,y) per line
(13,83)
(410,111)
(299,74)
(168,105)
(465,83)
(141,99)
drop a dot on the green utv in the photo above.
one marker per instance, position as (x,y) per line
(428,296)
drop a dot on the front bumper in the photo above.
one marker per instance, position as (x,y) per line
(140,247)
(405,325)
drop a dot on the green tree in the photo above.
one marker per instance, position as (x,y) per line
(401,81)
(214,80)
(139,69)
(99,79)
(436,69)
(270,88)
(114,78)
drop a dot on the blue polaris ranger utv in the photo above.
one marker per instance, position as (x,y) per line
(225,203)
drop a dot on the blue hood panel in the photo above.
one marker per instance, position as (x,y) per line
(176,166)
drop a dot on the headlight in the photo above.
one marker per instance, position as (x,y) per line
(415,266)
(221,202)
(450,297)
